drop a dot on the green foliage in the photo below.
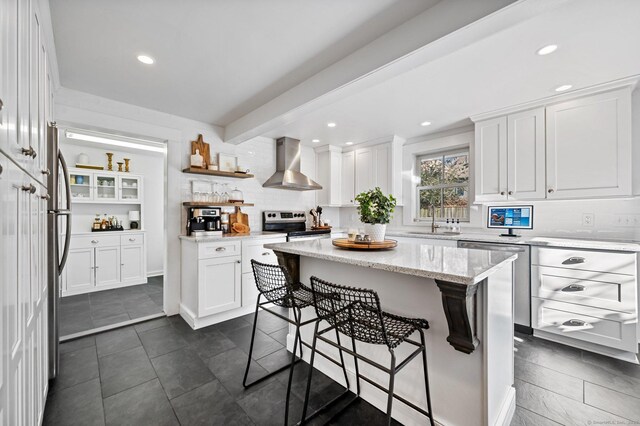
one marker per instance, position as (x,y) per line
(375,207)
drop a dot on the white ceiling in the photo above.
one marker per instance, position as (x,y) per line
(598,42)
(216,60)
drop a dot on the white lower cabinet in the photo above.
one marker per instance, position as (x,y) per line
(104,261)
(217,280)
(585,297)
(219,285)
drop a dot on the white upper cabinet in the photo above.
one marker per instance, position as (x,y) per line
(526,155)
(491,160)
(589,146)
(348,178)
(329,175)
(580,148)
(383,171)
(364,170)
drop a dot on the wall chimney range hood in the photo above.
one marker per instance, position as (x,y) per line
(287,175)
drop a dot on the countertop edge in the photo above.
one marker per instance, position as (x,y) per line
(227,237)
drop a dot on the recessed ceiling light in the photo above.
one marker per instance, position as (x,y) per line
(425,123)
(331,124)
(349,143)
(148,60)
(563,88)
(315,140)
(547,49)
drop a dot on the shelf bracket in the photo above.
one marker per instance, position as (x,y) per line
(291,262)
(460,308)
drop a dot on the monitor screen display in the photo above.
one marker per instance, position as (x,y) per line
(516,217)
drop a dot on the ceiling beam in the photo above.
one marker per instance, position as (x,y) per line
(444,28)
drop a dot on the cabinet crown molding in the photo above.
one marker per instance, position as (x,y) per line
(629,82)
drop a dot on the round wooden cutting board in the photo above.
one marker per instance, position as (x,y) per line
(352,245)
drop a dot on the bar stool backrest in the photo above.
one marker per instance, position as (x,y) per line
(355,312)
(274,283)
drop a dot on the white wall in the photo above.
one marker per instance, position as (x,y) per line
(146,163)
(257,154)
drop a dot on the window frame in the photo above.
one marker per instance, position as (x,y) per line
(442,186)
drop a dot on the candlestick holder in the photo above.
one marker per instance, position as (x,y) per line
(126,164)
(110,161)
(120,163)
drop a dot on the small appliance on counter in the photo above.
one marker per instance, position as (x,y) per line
(204,221)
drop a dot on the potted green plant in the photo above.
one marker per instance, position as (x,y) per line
(375,210)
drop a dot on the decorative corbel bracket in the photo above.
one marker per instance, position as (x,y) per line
(459,303)
(291,262)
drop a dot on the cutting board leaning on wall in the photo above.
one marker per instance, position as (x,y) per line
(203,147)
(239,222)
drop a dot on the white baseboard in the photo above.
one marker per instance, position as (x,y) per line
(196,323)
(587,346)
(508,409)
(155,273)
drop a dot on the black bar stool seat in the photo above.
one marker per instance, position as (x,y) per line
(357,314)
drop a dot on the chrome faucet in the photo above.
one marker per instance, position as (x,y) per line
(434,227)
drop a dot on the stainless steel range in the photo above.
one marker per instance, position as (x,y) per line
(294,223)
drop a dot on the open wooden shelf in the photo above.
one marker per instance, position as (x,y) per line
(208,204)
(196,171)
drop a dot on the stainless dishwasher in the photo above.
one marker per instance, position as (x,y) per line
(521,280)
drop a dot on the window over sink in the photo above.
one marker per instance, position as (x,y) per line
(443,186)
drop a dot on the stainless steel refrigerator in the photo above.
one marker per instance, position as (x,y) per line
(58,225)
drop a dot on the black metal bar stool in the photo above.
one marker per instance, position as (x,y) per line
(276,287)
(356,313)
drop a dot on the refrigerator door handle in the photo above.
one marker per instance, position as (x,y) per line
(67,236)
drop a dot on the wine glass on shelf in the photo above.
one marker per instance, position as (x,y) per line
(225,194)
(216,194)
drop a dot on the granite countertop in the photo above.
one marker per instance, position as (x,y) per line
(593,244)
(225,237)
(412,258)
(124,231)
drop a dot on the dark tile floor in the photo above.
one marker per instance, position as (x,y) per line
(557,384)
(85,312)
(163,372)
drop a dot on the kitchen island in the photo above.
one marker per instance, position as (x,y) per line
(466,295)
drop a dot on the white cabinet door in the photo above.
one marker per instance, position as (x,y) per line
(107,261)
(364,170)
(105,187)
(130,188)
(491,160)
(589,146)
(132,263)
(9,77)
(382,168)
(81,183)
(78,271)
(249,290)
(219,282)
(348,178)
(526,155)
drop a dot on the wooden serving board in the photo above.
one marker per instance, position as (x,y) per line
(239,217)
(203,148)
(352,245)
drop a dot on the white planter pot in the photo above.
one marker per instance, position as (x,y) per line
(375,231)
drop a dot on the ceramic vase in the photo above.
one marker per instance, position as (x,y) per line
(375,231)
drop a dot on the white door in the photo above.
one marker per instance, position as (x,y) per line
(132,263)
(9,77)
(589,146)
(81,183)
(491,160)
(249,290)
(364,170)
(79,271)
(130,188)
(105,187)
(219,283)
(348,177)
(382,173)
(526,155)
(107,266)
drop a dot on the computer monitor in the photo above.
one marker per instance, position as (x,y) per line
(510,217)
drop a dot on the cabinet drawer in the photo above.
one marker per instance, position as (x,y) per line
(586,260)
(85,241)
(255,250)
(132,239)
(600,326)
(597,289)
(218,249)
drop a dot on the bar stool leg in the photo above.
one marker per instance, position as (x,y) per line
(426,376)
(392,376)
(297,316)
(253,335)
(344,367)
(355,362)
(313,354)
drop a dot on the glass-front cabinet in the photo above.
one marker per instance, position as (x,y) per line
(105,187)
(81,185)
(130,188)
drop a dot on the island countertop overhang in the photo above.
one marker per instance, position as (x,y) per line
(451,264)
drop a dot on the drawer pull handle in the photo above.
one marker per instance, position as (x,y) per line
(573,287)
(94,241)
(266,253)
(575,323)
(29,188)
(574,260)
(132,239)
(221,249)
(238,261)
(29,152)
